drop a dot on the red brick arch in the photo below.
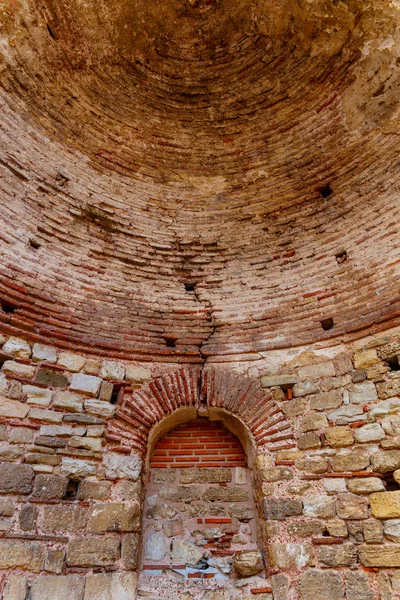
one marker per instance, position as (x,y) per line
(141,409)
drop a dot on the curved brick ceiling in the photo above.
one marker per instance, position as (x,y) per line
(239,146)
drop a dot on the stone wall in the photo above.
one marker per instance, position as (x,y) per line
(321,435)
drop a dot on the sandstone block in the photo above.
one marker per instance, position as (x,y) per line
(385,505)
(28,517)
(50,486)
(164,511)
(357,586)
(40,352)
(61,430)
(308,440)
(106,390)
(386,408)
(112,369)
(372,432)
(92,366)
(339,437)
(373,531)
(6,507)
(48,416)
(15,478)
(225,494)
(19,369)
(72,362)
(389,350)
(87,443)
(315,583)
(361,393)
(114,517)
(314,464)
(179,493)
(21,435)
(54,561)
(344,555)
(15,588)
(391,529)
(365,485)
(326,400)
(279,380)
(388,389)
(276,474)
(173,528)
(319,506)
(154,547)
(356,460)
(99,408)
(10,453)
(17,347)
(391,443)
(380,555)
(137,374)
(281,509)
(87,384)
(111,586)
(248,563)
(290,555)
(129,490)
(241,512)
(305,388)
(318,371)
(17,554)
(365,358)
(51,378)
(337,528)
(205,475)
(93,551)
(122,467)
(78,469)
(94,490)
(60,587)
(313,422)
(385,461)
(68,401)
(295,407)
(350,506)
(64,518)
(280,586)
(305,529)
(12,408)
(346,414)
(130,550)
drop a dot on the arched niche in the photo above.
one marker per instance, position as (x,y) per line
(200,524)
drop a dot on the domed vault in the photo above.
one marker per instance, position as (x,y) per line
(198,179)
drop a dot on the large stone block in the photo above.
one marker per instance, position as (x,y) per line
(17,347)
(206,475)
(320,585)
(365,358)
(51,378)
(99,408)
(48,416)
(179,493)
(318,371)
(94,490)
(137,374)
(72,362)
(17,554)
(111,586)
(19,369)
(372,432)
(112,369)
(385,505)
(50,486)
(68,401)
(58,587)
(114,517)
(279,380)
(97,551)
(185,553)
(365,485)
(64,518)
(346,414)
(13,409)
(122,467)
(15,587)
(154,547)
(87,384)
(40,352)
(357,586)
(248,563)
(362,393)
(290,555)
(339,437)
(387,555)
(391,529)
(356,460)
(280,509)
(130,550)
(313,422)
(385,461)
(350,506)
(225,494)
(16,479)
(326,400)
(78,469)
(344,555)
(319,506)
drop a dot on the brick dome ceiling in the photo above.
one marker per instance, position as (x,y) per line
(199,178)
